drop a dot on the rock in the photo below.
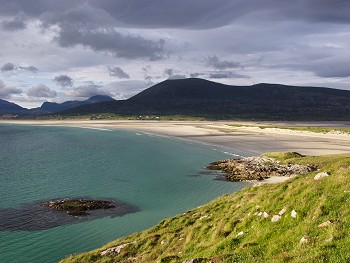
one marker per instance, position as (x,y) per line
(240,234)
(293,214)
(163,242)
(304,240)
(195,260)
(265,215)
(260,213)
(284,209)
(203,217)
(325,224)
(115,250)
(328,240)
(78,207)
(321,175)
(257,168)
(275,218)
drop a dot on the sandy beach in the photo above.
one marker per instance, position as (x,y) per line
(241,140)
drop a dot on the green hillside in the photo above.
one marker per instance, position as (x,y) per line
(233,228)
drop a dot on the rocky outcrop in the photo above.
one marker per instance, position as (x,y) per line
(257,168)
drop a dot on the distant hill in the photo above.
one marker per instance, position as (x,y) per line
(48,107)
(7,107)
(198,97)
(53,107)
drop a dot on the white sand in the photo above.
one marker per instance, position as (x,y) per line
(239,140)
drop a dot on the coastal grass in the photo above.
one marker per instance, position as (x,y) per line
(232,229)
(324,130)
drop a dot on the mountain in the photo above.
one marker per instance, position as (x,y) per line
(199,97)
(53,107)
(7,107)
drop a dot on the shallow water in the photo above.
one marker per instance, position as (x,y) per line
(161,176)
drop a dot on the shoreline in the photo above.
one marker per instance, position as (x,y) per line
(248,140)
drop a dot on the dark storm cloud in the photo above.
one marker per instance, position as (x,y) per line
(118,72)
(28,68)
(8,67)
(16,24)
(63,81)
(6,92)
(215,62)
(199,14)
(110,40)
(41,91)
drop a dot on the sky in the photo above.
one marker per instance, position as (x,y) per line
(73,49)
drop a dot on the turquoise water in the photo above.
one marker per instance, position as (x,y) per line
(161,176)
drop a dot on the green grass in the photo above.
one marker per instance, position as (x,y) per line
(211,230)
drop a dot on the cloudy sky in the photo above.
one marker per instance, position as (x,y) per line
(73,49)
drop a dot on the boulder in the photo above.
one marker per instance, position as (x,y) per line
(275,218)
(284,209)
(240,234)
(304,240)
(293,214)
(321,175)
(325,224)
(265,215)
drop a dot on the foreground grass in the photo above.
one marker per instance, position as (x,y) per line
(229,228)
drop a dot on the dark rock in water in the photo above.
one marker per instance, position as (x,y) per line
(47,214)
(78,207)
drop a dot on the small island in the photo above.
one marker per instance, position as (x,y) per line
(78,207)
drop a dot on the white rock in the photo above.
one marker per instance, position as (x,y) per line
(203,217)
(275,218)
(266,215)
(321,175)
(304,240)
(115,250)
(325,224)
(260,213)
(293,214)
(240,234)
(282,211)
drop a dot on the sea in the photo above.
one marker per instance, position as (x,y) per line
(161,176)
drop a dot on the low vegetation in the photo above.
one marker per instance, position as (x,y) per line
(336,130)
(300,220)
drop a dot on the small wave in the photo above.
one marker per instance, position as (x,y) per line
(92,128)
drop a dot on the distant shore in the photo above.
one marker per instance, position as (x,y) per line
(243,138)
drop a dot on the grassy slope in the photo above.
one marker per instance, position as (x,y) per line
(211,231)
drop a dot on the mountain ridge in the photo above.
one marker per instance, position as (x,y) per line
(7,107)
(203,98)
